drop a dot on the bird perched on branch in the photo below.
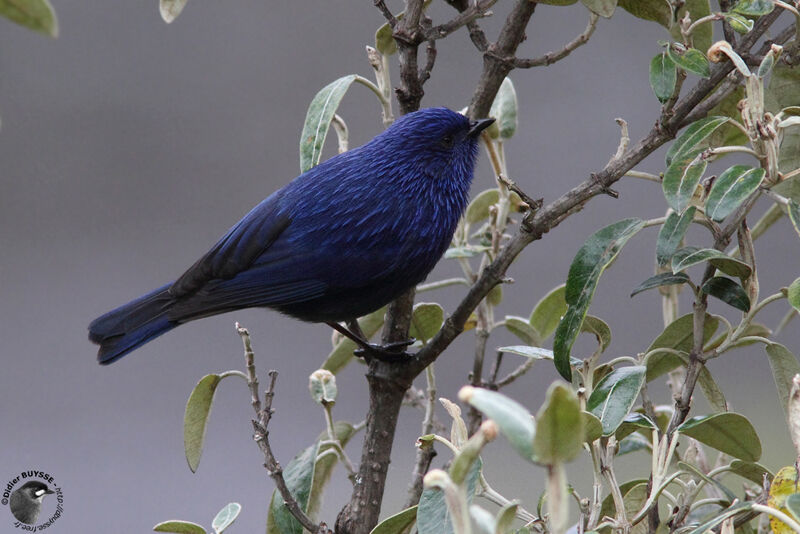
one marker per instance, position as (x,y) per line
(338,242)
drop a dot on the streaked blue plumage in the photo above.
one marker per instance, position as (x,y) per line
(339,241)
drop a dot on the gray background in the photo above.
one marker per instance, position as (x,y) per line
(129,146)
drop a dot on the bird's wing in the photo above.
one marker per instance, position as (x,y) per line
(237,250)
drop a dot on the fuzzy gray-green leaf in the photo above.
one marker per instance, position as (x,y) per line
(176,526)
(298,474)
(754,8)
(559,426)
(478,209)
(226,517)
(398,523)
(693,138)
(681,180)
(659,280)
(731,188)
(426,320)
(37,15)
(614,396)
(672,232)
(318,120)
(195,419)
(548,312)
(691,60)
(784,367)
(504,109)
(730,433)
(794,215)
(604,8)
(591,260)
(728,291)
(663,76)
(170,9)
(689,256)
(659,11)
(513,419)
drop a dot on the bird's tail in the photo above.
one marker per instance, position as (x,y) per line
(132,325)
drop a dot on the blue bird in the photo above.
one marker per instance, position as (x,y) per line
(338,242)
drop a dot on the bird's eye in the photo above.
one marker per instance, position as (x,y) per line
(448,141)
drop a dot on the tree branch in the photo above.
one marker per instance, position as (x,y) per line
(551,57)
(261,435)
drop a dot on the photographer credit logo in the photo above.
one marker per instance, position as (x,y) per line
(34,499)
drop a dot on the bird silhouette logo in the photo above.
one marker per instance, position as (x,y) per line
(26,502)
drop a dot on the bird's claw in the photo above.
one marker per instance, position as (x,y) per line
(389,353)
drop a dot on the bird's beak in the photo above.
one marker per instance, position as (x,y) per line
(476,127)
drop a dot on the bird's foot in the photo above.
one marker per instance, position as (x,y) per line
(389,353)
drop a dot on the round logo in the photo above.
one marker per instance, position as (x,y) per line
(34,499)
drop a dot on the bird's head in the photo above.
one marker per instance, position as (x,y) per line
(35,490)
(437,140)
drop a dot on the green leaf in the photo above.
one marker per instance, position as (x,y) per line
(426,321)
(520,327)
(37,15)
(326,463)
(384,41)
(719,517)
(663,76)
(535,353)
(671,235)
(659,280)
(322,386)
(559,426)
(702,35)
(548,312)
(478,209)
(681,180)
(753,8)
(433,516)
(514,421)
(689,256)
(713,393)
(752,471)
(505,517)
(615,395)
(633,443)
(467,251)
(794,215)
(483,519)
(691,60)
(593,427)
(298,474)
(342,352)
(738,23)
(678,335)
(701,475)
(729,134)
(504,109)
(693,139)
(170,9)
(604,8)
(784,91)
(397,523)
(195,419)
(792,504)
(784,366)
(599,328)
(318,120)
(179,527)
(659,11)
(226,517)
(730,433)
(728,291)
(793,294)
(607,507)
(633,422)
(591,260)
(732,187)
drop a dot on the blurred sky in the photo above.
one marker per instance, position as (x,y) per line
(129,146)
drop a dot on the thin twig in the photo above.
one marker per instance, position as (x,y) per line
(261,436)
(475,11)
(551,57)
